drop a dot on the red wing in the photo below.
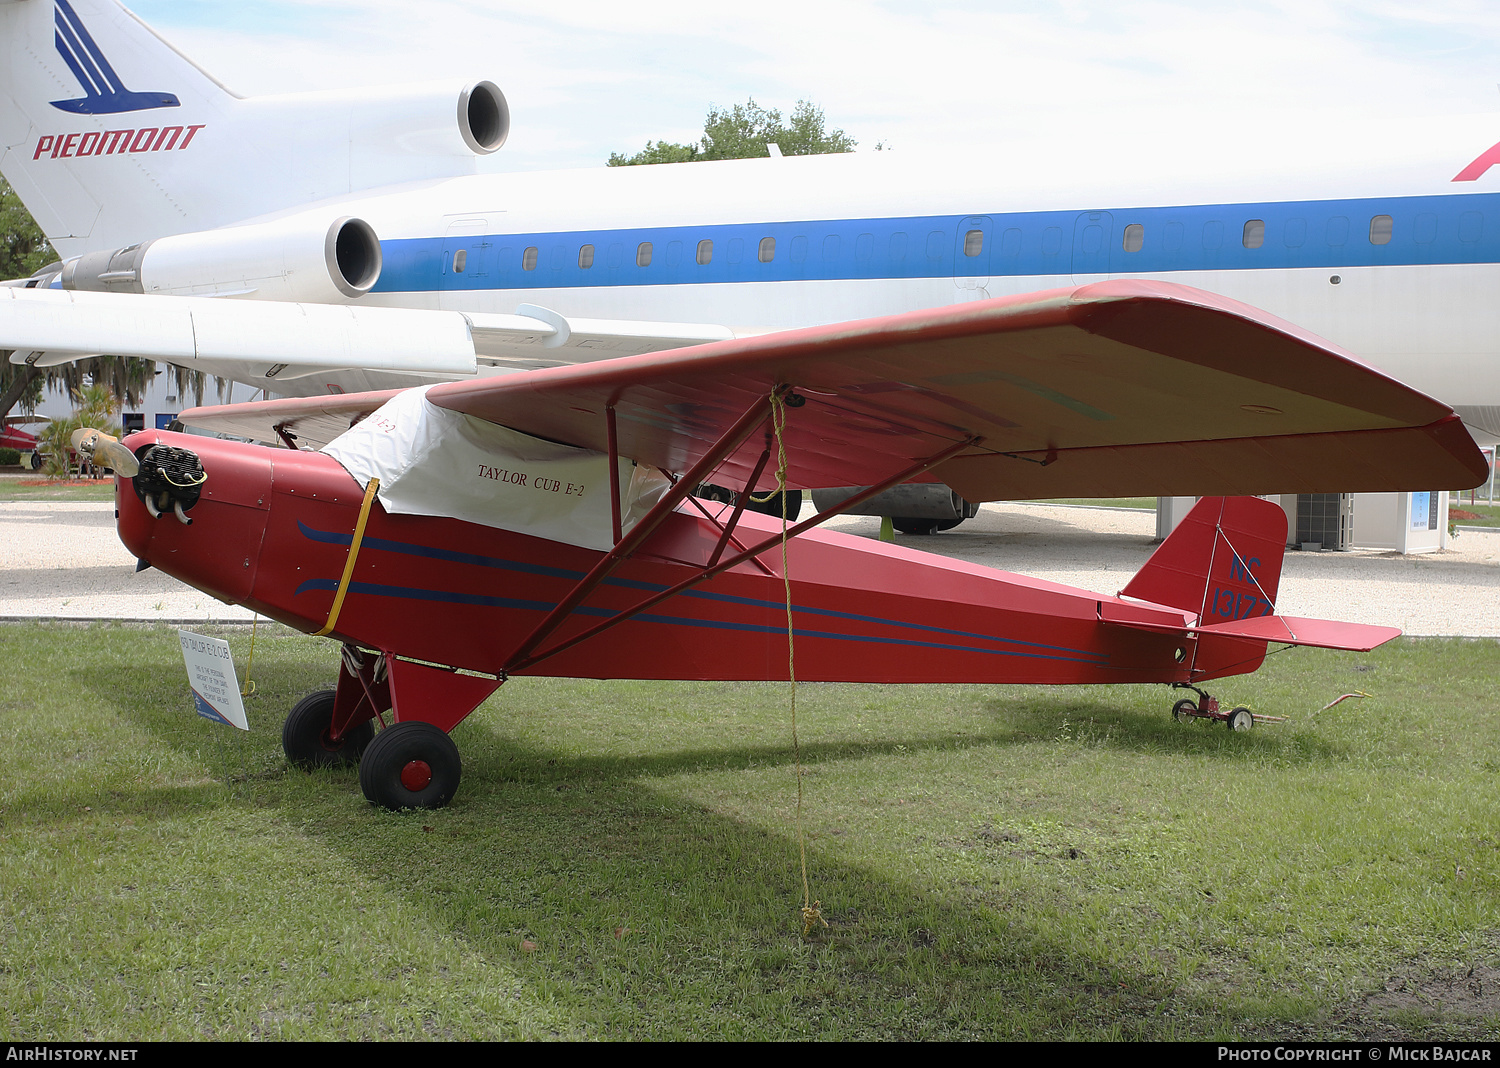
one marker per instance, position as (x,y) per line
(1118,388)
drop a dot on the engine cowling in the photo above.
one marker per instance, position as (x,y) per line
(308,257)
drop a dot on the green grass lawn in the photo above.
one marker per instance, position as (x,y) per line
(1489,515)
(12,489)
(995,862)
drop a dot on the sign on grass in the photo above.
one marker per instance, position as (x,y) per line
(216,691)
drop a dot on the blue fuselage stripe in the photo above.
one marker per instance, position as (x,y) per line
(499,563)
(450,597)
(1453,228)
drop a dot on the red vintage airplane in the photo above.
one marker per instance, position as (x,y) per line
(454,536)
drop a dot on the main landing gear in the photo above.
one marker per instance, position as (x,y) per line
(412,763)
(1207,707)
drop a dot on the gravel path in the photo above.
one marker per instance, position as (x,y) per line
(62,560)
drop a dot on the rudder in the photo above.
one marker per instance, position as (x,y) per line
(1222,563)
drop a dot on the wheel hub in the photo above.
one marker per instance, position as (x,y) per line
(416,775)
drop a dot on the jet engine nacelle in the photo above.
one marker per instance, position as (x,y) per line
(310,257)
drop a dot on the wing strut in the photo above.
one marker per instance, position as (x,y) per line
(524,658)
(721,450)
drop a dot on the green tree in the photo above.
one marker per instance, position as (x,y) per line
(743,132)
(23,246)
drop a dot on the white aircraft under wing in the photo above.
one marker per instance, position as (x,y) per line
(343,241)
(279,341)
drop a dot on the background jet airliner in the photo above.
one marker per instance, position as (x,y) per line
(366,253)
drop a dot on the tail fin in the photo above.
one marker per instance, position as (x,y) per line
(99,118)
(112,137)
(1222,563)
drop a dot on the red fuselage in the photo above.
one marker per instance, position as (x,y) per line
(273,527)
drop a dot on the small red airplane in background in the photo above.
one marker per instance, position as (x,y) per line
(542,522)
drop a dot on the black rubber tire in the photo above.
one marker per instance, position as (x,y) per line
(915,526)
(36,461)
(1182,710)
(1240,719)
(399,745)
(709,492)
(949,524)
(304,735)
(772,507)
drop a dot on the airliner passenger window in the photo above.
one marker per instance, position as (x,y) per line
(616,254)
(460,258)
(1295,233)
(705,252)
(767,251)
(586,257)
(1470,225)
(528,259)
(864,247)
(831,247)
(1254,234)
(1135,237)
(643,254)
(936,240)
(799,249)
(1380,230)
(1425,228)
(1338,230)
(898,247)
(1010,242)
(1051,240)
(973,242)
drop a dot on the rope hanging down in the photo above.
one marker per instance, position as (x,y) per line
(812,915)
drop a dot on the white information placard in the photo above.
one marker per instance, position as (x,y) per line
(216,691)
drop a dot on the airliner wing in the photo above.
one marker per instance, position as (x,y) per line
(261,339)
(1117,388)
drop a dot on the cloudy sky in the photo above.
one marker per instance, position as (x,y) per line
(588,77)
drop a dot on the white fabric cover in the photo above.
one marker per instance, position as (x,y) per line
(433,461)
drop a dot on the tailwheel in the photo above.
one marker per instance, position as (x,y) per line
(305,734)
(1241,719)
(410,765)
(1184,710)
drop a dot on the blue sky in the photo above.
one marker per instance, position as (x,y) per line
(588,77)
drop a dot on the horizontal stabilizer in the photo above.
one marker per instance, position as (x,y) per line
(1294,630)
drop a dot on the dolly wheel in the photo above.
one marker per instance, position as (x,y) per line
(410,765)
(1241,719)
(304,735)
(1183,710)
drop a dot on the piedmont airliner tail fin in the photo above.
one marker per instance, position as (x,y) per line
(101,119)
(112,137)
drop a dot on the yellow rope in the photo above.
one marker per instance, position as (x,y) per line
(359,536)
(812,914)
(250,664)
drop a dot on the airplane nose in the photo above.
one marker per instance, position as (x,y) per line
(197,509)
